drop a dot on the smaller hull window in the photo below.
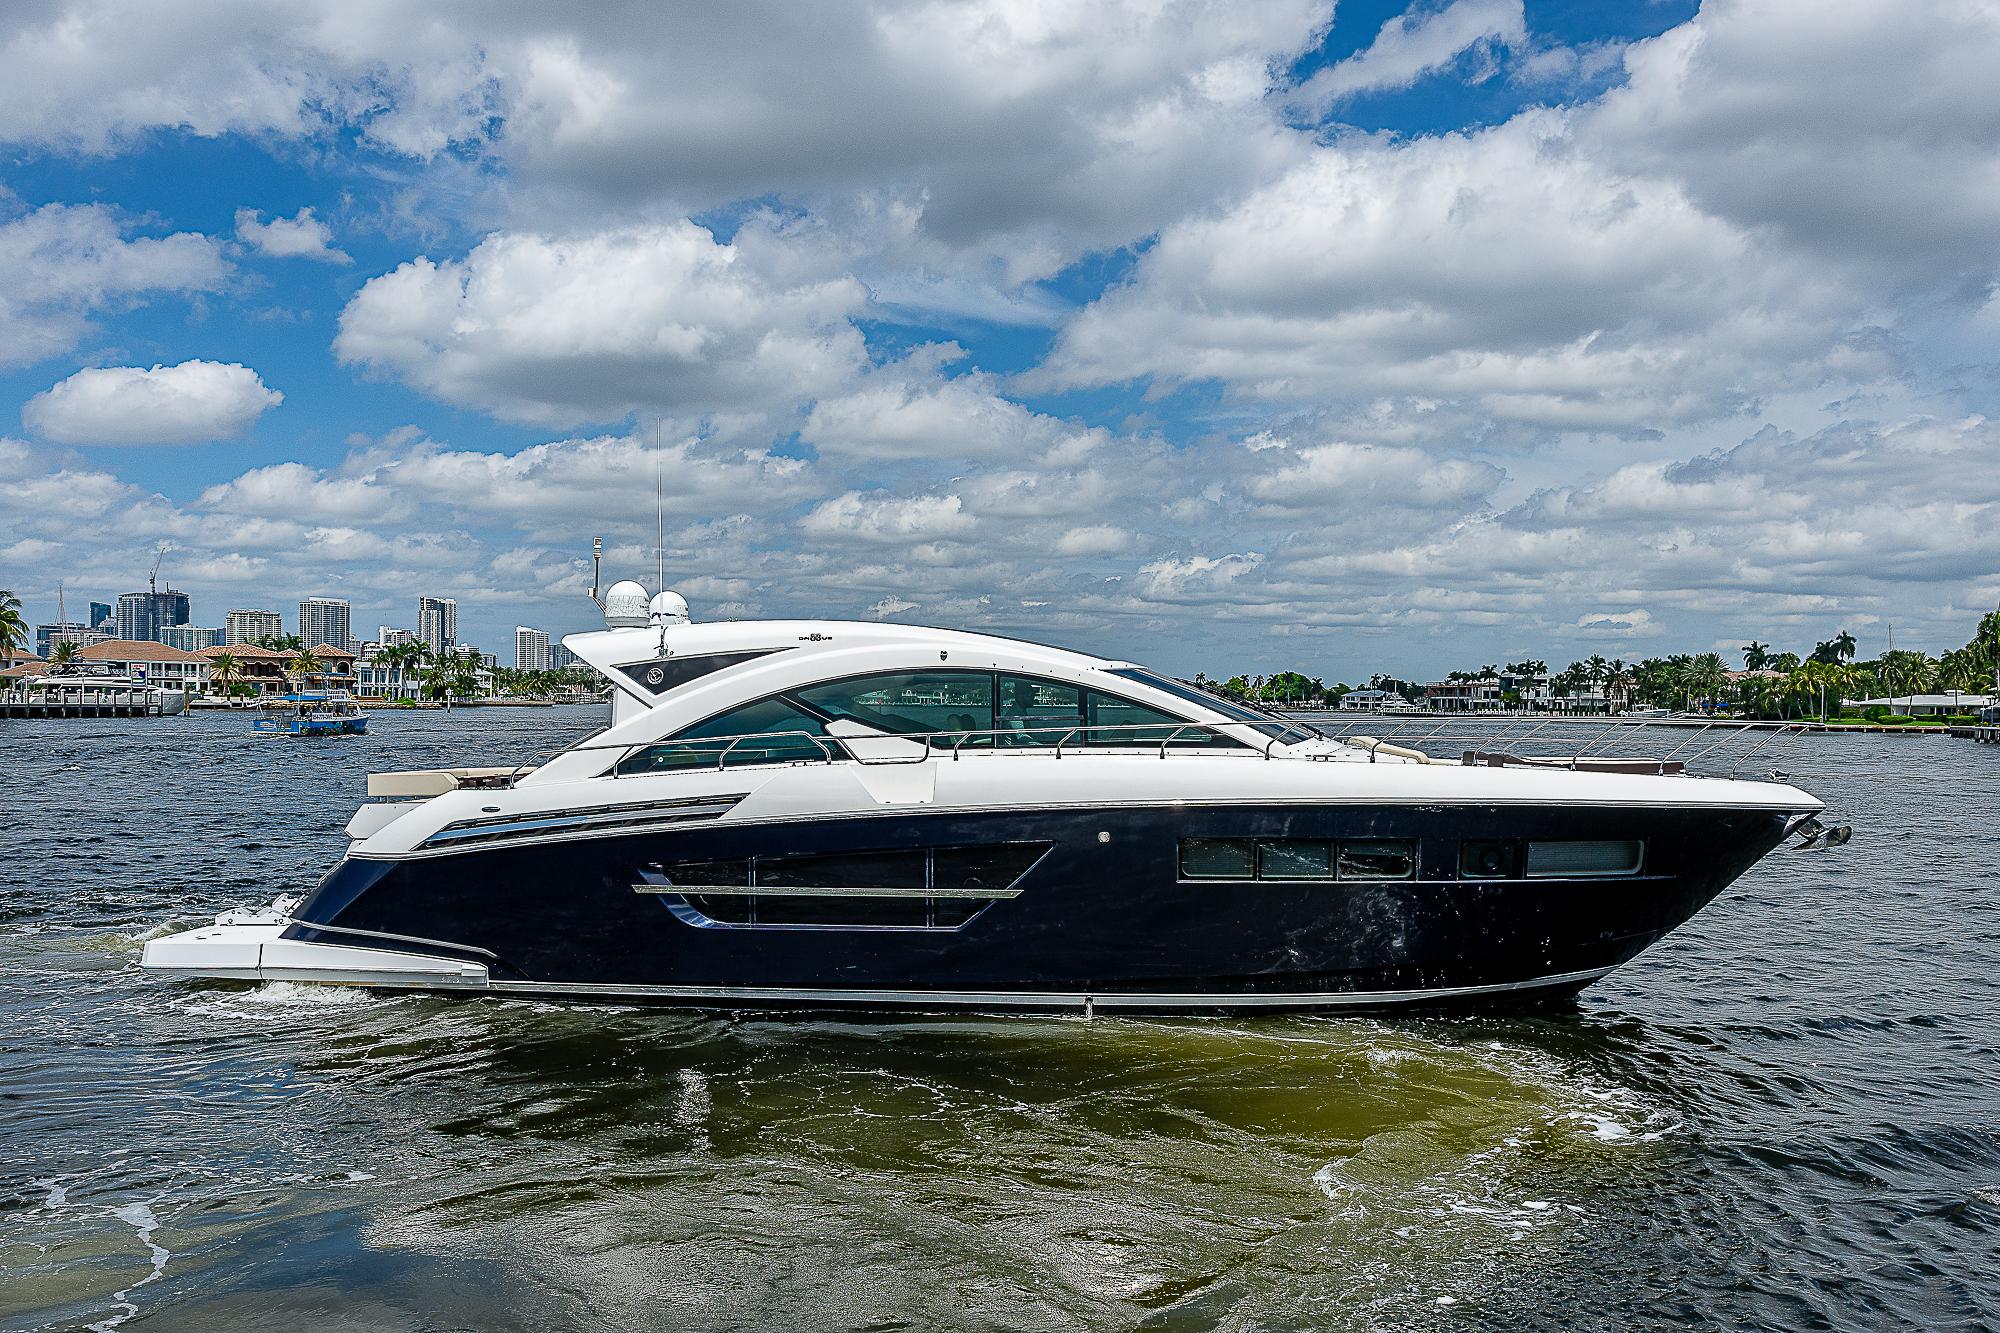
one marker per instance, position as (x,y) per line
(1307,859)
(1576,860)
(1378,860)
(1218,858)
(1488,859)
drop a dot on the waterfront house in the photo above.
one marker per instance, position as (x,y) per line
(1372,701)
(22,669)
(1924,705)
(339,664)
(153,663)
(1463,696)
(262,669)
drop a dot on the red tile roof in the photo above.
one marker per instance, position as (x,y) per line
(137,650)
(245,652)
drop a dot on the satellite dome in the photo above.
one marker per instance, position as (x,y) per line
(668,608)
(625,605)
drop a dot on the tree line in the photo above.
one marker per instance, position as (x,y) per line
(1778,684)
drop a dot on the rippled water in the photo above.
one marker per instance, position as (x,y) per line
(1785,1116)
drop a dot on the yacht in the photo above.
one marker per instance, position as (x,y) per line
(314,713)
(829,814)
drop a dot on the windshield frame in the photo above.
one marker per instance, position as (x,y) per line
(1236,710)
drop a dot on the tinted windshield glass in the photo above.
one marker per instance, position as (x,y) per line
(787,728)
(910,702)
(1266,723)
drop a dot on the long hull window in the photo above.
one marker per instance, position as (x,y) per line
(935,888)
(1306,859)
(1578,858)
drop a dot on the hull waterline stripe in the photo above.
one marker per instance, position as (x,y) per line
(1047,999)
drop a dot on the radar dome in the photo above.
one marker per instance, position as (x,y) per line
(625,605)
(668,608)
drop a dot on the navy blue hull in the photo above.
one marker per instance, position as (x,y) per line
(1104,913)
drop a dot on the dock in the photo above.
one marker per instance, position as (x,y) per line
(91,701)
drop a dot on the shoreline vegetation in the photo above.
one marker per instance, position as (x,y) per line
(1821,686)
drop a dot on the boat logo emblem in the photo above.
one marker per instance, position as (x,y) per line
(655,676)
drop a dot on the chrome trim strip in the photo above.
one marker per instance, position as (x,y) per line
(1049,999)
(388,935)
(903,811)
(529,825)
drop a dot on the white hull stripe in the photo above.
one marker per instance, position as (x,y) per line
(962,999)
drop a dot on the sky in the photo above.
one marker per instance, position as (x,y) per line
(1224,336)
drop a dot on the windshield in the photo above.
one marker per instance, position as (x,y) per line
(1269,724)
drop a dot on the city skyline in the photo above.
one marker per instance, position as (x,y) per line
(1374,336)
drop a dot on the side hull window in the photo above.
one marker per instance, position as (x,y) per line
(937,888)
(1298,859)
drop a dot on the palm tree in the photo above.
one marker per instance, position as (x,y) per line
(1707,676)
(452,676)
(64,657)
(13,627)
(1843,646)
(1822,683)
(224,671)
(1755,655)
(305,664)
(1902,671)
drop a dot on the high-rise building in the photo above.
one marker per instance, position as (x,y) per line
(531,649)
(323,620)
(388,636)
(99,613)
(560,658)
(62,631)
(140,616)
(189,638)
(250,626)
(437,622)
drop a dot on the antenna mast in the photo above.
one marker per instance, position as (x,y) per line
(660,502)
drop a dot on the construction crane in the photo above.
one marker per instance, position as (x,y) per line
(153,579)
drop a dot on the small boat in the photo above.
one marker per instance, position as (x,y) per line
(812,814)
(333,713)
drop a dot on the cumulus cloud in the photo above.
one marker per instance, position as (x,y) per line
(301,236)
(881,517)
(65,264)
(906,411)
(1617,624)
(567,330)
(1865,134)
(1414,44)
(1754,211)
(1369,476)
(191,403)
(1505,267)
(1026,136)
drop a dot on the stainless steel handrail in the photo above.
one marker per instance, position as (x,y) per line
(1581,737)
(831,749)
